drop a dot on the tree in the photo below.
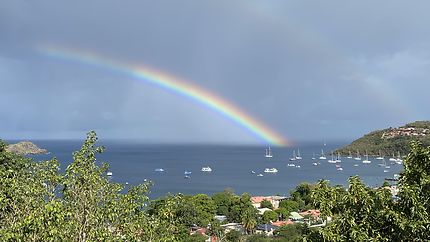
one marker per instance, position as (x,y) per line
(266,204)
(303,192)
(289,206)
(37,203)
(283,213)
(292,232)
(269,216)
(414,194)
(363,213)
(233,236)
(204,207)
(249,220)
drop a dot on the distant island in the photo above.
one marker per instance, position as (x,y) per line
(25,148)
(390,141)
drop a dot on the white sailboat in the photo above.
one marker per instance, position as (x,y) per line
(358,156)
(294,157)
(298,157)
(322,157)
(393,158)
(366,161)
(338,160)
(269,153)
(380,157)
(349,156)
(399,158)
(332,160)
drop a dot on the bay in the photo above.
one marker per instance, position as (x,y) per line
(133,162)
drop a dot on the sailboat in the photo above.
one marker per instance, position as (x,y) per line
(358,156)
(313,156)
(332,160)
(380,157)
(298,157)
(322,157)
(269,153)
(366,161)
(399,158)
(294,157)
(349,156)
(338,160)
(393,158)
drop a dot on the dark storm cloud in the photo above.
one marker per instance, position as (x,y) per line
(310,70)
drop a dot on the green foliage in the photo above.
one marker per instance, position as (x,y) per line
(266,204)
(269,216)
(233,236)
(292,232)
(232,206)
(289,206)
(258,238)
(303,193)
(283,213)
(362,213)
(37,203)
(249,219)
(373,142)
(196,238)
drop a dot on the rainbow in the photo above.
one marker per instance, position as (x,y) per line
(173,84)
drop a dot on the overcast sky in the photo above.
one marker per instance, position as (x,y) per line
(310,70)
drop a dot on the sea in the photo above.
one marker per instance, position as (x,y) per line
(233,167)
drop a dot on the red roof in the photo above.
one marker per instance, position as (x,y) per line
(260,199)
(282,223)
(312,212)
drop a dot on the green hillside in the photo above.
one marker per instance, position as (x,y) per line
(390,141)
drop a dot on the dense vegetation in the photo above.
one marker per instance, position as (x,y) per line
(40,203)
(373,143)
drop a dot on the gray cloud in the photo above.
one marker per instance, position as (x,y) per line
(308,70)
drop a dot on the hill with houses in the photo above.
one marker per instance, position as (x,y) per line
(390,141)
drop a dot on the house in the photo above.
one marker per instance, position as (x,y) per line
(261,211)
(294,216)
(274,200)
(314,213)
(265,228)
(282,223)
(202,231)
(220,218)
(233,226)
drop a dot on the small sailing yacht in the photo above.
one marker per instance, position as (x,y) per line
(366,161)
(332,160)
(380,157)
(399,158)
(338,160)
(358,156)
(349,156)
(298,157)
(294,157)
(393,158)
(322,157)
(269,153)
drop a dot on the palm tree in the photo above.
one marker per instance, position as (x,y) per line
(249,220)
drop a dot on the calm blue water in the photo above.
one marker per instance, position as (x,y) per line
(231,165)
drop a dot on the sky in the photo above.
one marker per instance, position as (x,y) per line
(308,70)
